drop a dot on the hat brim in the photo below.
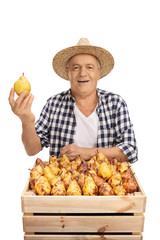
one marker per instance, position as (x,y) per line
(61,58)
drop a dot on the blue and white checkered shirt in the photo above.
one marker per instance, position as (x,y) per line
(56,124)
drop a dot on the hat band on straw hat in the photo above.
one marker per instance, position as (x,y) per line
(61,59)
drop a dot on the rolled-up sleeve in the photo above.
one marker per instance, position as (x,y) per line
(125,134)
(42,127)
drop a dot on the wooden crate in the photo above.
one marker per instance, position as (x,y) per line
(83,217)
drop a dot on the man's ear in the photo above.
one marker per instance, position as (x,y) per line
(100,70)
(67,72)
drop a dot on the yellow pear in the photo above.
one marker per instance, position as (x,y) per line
(105,171)
(65,162)
(89,187)
(22,84)
(122,167)
(101,158)
(115,180)
(48,173)
(42,186)
(119,190)
(58,189)
(74,188)
(105,189)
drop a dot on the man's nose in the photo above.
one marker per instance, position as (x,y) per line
(83,72)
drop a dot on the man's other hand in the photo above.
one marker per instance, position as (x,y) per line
(72,151)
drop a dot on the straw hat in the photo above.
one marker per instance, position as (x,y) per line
(83,46)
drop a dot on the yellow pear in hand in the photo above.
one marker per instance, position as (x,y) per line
(22,84)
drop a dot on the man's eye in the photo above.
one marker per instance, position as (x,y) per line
(76,67)
(90,67)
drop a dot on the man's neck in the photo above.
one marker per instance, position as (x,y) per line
(86,103)
(83,99)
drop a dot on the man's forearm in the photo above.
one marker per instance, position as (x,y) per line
(30,139)
(22,108)
(72,151)
(114,152)
(110,153)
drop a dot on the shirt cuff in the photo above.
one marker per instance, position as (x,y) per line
(43,139)
(129,151)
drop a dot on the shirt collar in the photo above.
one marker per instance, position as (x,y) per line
(99,101)
(69,97)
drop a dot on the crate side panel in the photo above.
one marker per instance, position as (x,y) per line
(100,224)
(141,191)
(83,204)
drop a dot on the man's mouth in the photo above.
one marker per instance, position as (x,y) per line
(83,81)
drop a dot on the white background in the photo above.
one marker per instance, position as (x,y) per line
(32,32)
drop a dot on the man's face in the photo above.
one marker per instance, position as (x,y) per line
(83,73)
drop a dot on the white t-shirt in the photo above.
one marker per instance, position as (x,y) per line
(86,129)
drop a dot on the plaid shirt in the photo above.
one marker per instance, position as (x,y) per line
(56,125)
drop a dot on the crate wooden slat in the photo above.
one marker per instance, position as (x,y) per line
(91,204)
(69,224)
(83,237)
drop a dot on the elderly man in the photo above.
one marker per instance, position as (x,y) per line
(84,118)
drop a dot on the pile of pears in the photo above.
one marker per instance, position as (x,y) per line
(96,177)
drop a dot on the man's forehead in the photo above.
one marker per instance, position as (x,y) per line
(88,58)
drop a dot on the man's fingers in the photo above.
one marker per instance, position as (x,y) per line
(21,98)
(27,101)
(30,101)
(68,149)
(64,150)
(11,98)
(61,153)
